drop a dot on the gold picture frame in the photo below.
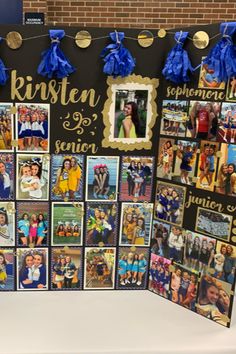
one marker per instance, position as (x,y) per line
(132,86)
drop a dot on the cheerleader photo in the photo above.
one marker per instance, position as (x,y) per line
(169,205)
(6,127)
(174,118)
(165,158)
(132,268)
(32,127)
(7,269)
(159,275)
(7,224)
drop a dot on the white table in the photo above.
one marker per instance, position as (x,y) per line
(104,322)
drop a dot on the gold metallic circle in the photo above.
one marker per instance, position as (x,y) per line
(234,222)
(101,244)
(66,199)
(133,249)
(83,39)
(13,110)
(31,245)
(66,248)
(145,38)
(234,230)
(14,143)
(161,33)
(14,40)
(200,40)
(233,239)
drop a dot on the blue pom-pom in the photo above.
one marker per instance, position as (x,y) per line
(178,65)
(3,72)
(54,63)
(222,57)
(118,60)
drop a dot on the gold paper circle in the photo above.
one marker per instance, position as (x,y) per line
(233,239)
(83,39)
(234,230)
(31,245)
(145,38)
(101,244)
(200,40)
(13,110)
(14,40)
(133,249)
(234,222)
(161,33)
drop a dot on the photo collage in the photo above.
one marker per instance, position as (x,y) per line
(196,149)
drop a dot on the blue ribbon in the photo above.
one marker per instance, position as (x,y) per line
(54,63)
(222,57)
(3,72)
(178,65)
(118,60)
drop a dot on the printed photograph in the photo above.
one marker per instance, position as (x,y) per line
(6,127)
(231,90)
(212,223)
(130,112)
(7,269)
(32,224)
(32,127)
(99,265)
(174,118)
(168,241)
(66,268)
(225,262)
(67,224)
(185,162)
(32,269)
(32,177)
(203,120)
(7,173)
(227,123)
(213,300)
(136,223)
(159,275)
(183,287)
(67,173)
(7,224)
(169,205)
(102,178)
(136,178)
(199,251)
(132,268)
(101,224)
(207,165)
(226,175)
(165,158)
(208,79)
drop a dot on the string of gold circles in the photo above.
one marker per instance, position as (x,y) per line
(83,39)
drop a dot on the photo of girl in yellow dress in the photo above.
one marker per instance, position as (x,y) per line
(67,177)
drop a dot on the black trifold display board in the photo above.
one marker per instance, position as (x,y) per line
(118,183)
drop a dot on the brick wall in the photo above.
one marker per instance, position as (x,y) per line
(136,14)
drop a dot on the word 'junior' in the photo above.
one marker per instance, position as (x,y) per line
(23,88)
(204,202)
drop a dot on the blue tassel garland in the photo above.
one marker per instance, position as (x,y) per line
(54,63)
(118,60)
(178,65)
(3,72)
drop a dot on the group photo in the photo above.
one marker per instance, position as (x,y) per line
(225,262)
(136,221)
(66,268)
(99,268)
(32,269)
(7,224)
(132,268)
(7,173)
(67,224)
(165,158)
(203,120)
(32,177)
(101,224)
(159,275)
(168,241)
(67,173)
(199,252)
(226,174)
(102,178)
(207,165)
(6,127)
(169,205)
(174,118)
(32,224)
(214,224)
(32,127)
(136,178)
(214,299)
(7,269)
(183,286)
